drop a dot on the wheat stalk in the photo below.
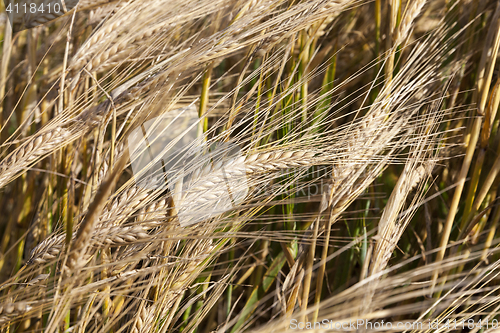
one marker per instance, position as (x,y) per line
(78,249)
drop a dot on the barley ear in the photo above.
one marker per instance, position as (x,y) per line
(411,14)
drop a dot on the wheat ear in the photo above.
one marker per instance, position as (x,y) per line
(389,230)
(128,202)
(106,33)
(36,147)
(131,200)
(9,311)
(406,24)
(175,286)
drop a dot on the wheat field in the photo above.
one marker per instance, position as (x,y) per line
(249,165)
